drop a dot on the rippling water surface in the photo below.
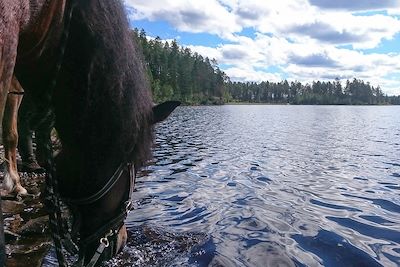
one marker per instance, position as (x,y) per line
(270,186)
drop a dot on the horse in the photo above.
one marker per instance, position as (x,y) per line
(78,61)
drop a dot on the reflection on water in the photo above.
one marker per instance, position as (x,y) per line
(272,185)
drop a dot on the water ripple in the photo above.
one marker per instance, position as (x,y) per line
(269,186)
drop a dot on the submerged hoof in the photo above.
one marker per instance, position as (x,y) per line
(21,191)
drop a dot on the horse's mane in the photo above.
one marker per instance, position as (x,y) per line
(113,104)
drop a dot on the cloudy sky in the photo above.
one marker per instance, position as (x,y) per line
(304,40)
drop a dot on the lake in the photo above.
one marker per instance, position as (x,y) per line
(270,185)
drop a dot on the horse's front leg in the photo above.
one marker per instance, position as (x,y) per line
(10,139)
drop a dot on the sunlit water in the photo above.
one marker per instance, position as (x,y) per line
(270,186)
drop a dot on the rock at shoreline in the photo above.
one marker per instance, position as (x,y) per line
(12,207)
(26,224)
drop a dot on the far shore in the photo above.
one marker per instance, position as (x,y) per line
(281,104)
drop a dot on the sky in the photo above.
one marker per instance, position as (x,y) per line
(303,40)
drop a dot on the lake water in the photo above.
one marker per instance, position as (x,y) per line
(270,186)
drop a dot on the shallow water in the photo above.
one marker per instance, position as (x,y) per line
(270,186)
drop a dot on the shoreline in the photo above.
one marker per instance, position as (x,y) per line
(284,104)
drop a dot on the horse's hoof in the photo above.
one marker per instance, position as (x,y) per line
(8,183)
(20,190)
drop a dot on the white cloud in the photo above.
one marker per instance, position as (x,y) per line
(194,16)
(247,73)
(394,11)
(289,18)
(363,5)
(303,38)
(303,62)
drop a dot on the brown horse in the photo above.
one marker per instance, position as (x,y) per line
(102,105)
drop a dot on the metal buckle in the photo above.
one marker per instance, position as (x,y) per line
(104,240)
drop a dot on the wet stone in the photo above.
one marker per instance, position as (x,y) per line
(35,226)
(13,223)
(26,223)
(35,190)
(33,260)
(9,236)
(28,251)
(12,207)
(29,245)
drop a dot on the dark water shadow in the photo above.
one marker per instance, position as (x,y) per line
(334,250)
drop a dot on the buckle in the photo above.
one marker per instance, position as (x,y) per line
(104,240)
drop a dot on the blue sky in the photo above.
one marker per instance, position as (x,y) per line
(302,40)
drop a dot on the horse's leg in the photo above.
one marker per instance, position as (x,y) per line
(9,31)
(28,111)
(10,140)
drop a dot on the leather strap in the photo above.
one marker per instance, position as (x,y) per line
(103,191)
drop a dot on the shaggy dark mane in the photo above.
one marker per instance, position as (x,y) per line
(110,120)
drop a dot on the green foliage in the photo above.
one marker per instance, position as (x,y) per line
(176,73)
(356,92)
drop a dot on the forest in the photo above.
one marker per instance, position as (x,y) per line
(178,73)
(175,72)
(354,92)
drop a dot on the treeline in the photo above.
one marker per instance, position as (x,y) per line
(178,73)
(355,92)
